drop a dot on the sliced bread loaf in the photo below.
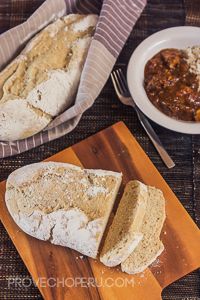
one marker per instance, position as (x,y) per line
(150,246)
(63,203)
(125,232)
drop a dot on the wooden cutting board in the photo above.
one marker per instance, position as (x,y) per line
(62,273)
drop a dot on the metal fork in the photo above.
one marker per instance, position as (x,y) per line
(122,91)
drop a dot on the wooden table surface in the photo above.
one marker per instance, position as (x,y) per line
(184,179)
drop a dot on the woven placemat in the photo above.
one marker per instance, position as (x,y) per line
(192,9)
(184,179)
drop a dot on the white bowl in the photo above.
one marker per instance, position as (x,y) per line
(176,37)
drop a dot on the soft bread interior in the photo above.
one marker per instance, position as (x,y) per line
(125,231)
(150,246)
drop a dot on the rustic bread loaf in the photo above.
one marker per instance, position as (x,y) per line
(42,81)
(125,231)
(63,203)
(150,246)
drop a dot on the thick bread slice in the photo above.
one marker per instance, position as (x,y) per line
(44,77)
(63,203)
(150,246)
(125,232)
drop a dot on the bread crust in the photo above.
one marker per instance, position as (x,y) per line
(74,215)
(42,81)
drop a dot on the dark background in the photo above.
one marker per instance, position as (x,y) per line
(184,179)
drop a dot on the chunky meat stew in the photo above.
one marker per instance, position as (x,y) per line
(171,87)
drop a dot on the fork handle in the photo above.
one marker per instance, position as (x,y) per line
(154,139)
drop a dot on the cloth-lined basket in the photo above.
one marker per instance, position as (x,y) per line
(116,20)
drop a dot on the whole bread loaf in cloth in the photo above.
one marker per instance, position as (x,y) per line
(42,81)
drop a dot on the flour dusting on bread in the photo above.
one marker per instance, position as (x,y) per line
(70,228)
(45,75)
(63,203)
(70,206)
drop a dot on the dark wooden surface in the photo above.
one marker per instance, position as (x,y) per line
(185,150)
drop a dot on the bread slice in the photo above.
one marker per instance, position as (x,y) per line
(62,203)
(150,246)
(42,81)
(125,232)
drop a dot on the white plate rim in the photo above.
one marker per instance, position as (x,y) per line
(149,109)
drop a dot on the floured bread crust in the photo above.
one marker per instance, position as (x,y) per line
(45,76)
(74,214)
(16,124)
